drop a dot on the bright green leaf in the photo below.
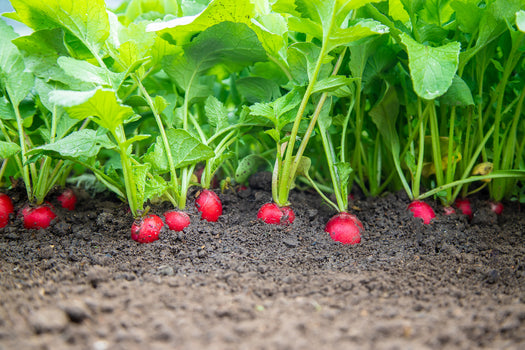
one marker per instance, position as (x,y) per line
(185,150)
(180,30)
(413,6)
(90,73)
(228,46)
(468,14)
(13,77)
(86,20)
(155,187)
(41,51)
(432,69)
(520,20)
(216,113)
(101,105)
(84,143)
(397,12)
(459,94)
(248,166)
(140,174)
(271,29)
(344,170)
(332,83)
(257,89)
(8,149)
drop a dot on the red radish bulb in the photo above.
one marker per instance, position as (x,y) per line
(177,220)
(6,208)
(449,210)
(464,206)
(147,229)
(496,207)
(345,228)
(209,205)
(68,199)
(38,217)
(422,210)
(271,213)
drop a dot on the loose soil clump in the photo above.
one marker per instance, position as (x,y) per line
(241,284)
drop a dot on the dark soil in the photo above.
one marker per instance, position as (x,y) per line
(242,284)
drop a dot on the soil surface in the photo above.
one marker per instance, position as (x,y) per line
(241,284)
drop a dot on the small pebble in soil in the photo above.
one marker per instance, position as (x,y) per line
(76,311)
(166,270)
(48,320)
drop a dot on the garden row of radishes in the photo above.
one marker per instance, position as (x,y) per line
(423,96)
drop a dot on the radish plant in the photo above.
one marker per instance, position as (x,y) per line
(328,22)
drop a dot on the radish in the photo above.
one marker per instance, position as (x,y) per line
(6,208)
(422,210)
(146,229)
(67,199)
(449,210)
(38,217)
(464,206)
(271,213)
(177,220)
(345,228)
(209,204)
(496,207)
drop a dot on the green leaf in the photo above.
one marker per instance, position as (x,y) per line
(397,11)
(332,83)
(459,94)
(468,14)
(181,30)
(344,170)
(90,73)
(86,20)
(226,47)
(248,166)
(384,115)
(8,149)
(413,6)
(216,112)
(360,29)
(13,77)
(331,18)
(278,111)
(140,174)
(520,20)
(274,134)
(41,51)
(84,143)
(264,110)
(432,69)
(272,31)
(258,89)
(160,103)
(436,12)
(138,8)
(101,105)
(6,109)
(185,150)
(133,139)
(302,58)
(64,122)
(303,166)
(155,187)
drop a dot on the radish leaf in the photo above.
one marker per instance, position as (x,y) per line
(86,20)
(432,69)
(100,104)
(8,149)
